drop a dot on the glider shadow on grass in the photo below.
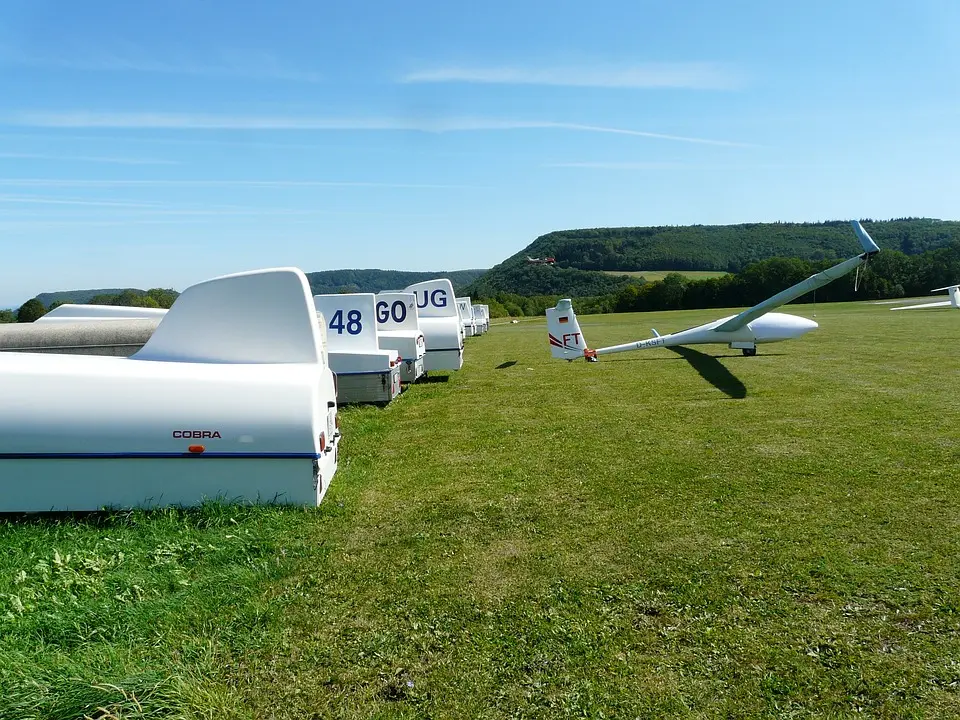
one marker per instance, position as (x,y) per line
(713,371)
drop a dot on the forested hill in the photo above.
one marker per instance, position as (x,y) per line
(327,281)
(730,248)
(528,280)
(80,297)
(727,248)
(333,281)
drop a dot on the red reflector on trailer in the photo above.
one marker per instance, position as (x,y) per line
(196,449)
(323,442)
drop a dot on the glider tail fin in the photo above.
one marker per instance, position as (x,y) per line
(954,292)
(566,339)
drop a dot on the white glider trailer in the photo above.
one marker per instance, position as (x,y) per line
(85,313)
(440,322)
(398,328)
(477,315)
(465,308)
(83,330)
(481,318)
(230,398)
(365,373)
(79,337)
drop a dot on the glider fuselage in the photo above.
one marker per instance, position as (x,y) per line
(772,327)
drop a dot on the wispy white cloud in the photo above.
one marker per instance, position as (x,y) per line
(108,214)
(57,182)
(191,121)
(44,136)
(40,224)
(86,158)
(618,165)
(101,209)
(612,165)
(241,64)
(689,75)
(43,200)
(644,133)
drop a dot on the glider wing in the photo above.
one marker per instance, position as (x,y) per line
(801,288)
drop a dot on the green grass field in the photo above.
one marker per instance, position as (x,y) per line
(654,275)
(669,534)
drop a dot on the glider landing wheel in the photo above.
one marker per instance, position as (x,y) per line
(749,352)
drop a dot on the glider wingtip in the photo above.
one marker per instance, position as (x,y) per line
(864,237)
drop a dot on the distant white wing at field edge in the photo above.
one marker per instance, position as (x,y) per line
(954,301)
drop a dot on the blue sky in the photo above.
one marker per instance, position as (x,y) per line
(159,144)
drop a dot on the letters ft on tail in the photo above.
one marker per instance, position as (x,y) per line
(752,327)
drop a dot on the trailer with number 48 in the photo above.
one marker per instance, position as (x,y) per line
(365,373)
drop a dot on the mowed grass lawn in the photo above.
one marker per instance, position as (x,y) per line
(660,534)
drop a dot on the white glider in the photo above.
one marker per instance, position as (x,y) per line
(952,290)
(752,327)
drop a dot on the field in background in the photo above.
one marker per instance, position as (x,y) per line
(654,275)
(661,534)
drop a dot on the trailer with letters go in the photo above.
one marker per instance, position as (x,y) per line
(398,328)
